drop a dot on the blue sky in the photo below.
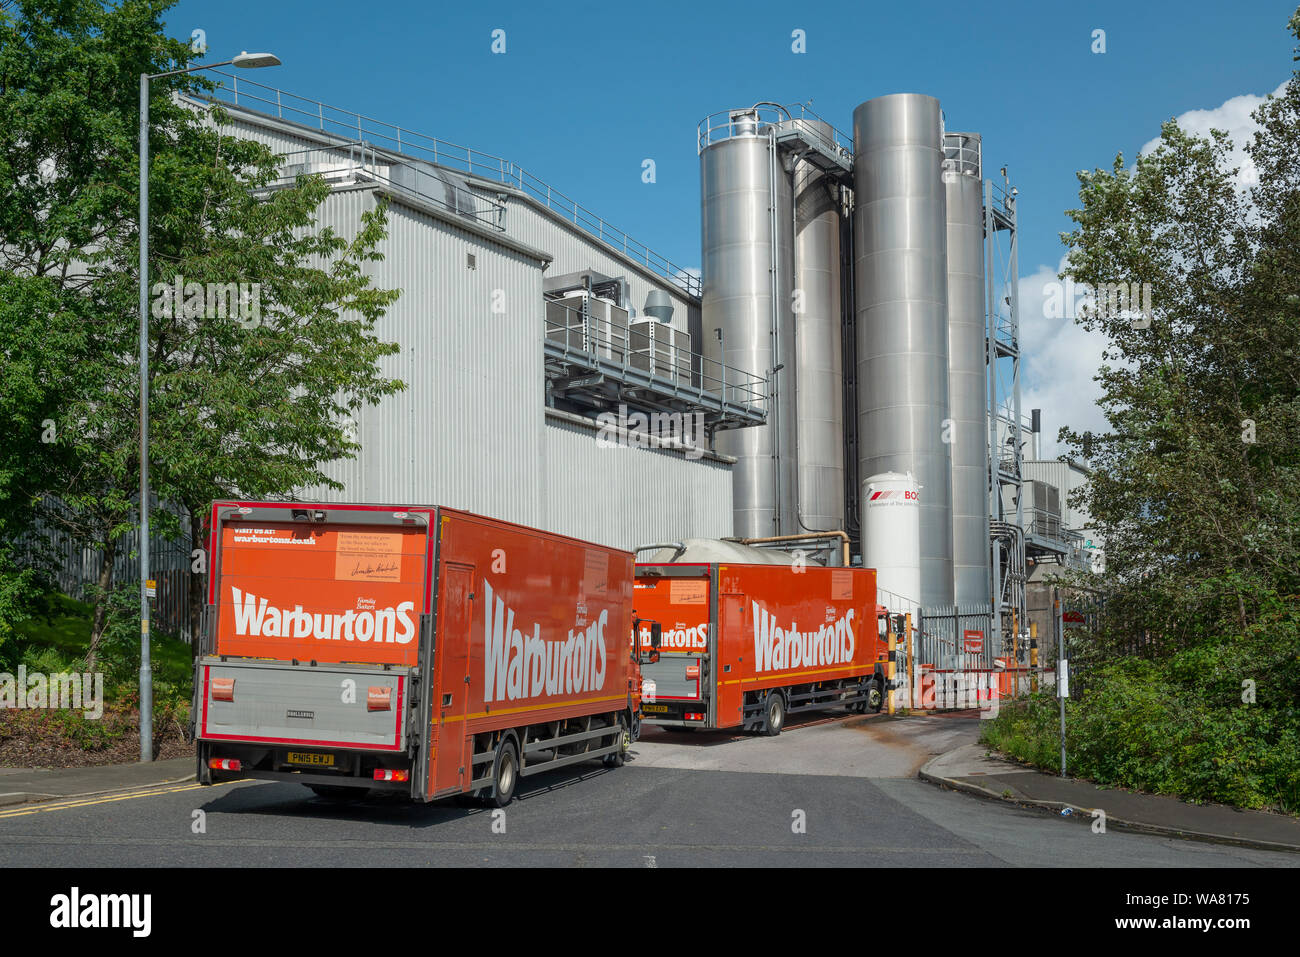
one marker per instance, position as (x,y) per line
(586,91)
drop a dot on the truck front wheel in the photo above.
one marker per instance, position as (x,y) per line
(875,695)
(505,773)
(624,741)
(773,714)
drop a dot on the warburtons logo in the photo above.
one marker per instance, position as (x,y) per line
(695,638)
(776,649)
(254,616)
(516,665)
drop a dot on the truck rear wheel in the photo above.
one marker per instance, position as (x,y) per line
(773,714)
(505,774)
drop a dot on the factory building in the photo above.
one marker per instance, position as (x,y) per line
(837,370)
(530,334)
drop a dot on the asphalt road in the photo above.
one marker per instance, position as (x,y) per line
(838,791)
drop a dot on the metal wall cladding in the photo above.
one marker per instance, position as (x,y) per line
(277,140)
(467,430)
(901,304)
(622,496)
(967,387)
(818,346)
(737,243)
(574,249)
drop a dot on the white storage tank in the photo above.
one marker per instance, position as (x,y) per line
(891,534)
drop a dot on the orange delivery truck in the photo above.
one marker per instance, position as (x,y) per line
(417,650)
(745,645)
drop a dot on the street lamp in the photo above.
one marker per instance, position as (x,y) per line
(244,61)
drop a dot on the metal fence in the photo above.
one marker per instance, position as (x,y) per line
(956,661)
(76,568)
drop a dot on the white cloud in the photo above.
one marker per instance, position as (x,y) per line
(1233,117)
(1060,357)
(1060,360)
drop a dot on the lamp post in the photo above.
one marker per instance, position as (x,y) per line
(244,61)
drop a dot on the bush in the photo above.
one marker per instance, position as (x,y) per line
(1177,726)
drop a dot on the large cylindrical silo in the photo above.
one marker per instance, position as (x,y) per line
(891,538)
(967,382)
(900,277)
(746,317)
(818,345)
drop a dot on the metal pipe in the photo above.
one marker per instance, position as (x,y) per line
(774,279)
(808,536)
(677,547)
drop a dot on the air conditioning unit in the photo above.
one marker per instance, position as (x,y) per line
(588,324)
(660,350)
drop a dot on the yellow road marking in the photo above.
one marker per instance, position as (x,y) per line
(25,809)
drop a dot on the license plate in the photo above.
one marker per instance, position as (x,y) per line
(655,708)
(317,760)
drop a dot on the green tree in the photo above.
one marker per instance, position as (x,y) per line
(1195,485)
(251,405)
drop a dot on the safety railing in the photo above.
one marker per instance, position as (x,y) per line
(355,126)
(360,162)
(962,153)
(758,119)
(573,332)
(762,116)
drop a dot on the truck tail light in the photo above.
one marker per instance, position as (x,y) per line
(379,698)
(224,764)
(223,689)
(383,774)
(693,671)
(694,716)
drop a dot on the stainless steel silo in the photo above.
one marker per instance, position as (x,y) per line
(967,375)
(818,342)
(746,316)
(900,287)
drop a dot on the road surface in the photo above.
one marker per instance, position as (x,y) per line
(829,791)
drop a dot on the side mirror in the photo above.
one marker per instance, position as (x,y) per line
(656,635)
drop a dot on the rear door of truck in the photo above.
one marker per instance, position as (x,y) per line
(313,638)
(677,689)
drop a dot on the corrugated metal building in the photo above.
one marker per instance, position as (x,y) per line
(472,429)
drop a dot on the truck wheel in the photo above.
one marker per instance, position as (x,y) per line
(875,697)
(773,714)
(505,774)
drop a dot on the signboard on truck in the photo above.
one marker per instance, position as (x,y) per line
(325,593)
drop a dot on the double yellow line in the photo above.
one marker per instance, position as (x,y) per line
(23,810)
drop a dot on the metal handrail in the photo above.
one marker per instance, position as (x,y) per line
(755,121)
(964,157)
(730,384)
(358,161)
(358,127)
